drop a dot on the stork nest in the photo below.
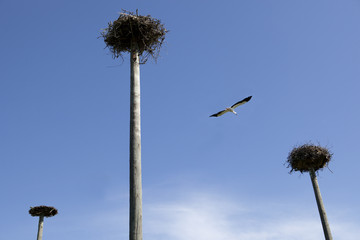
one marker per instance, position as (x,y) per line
(308,157)
(43,210)
(131,31)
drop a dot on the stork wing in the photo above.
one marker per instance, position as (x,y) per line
(220,113)
(245,100)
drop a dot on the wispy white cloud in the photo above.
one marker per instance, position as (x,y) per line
(208,217)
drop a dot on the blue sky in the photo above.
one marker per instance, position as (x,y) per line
(65,119)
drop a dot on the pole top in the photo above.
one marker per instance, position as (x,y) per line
(45,211)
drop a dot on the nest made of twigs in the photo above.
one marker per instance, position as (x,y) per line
(43,210)
(131,31)
(308,157)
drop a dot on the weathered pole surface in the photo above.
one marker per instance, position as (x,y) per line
(40,227)
(320,204)
(135,148)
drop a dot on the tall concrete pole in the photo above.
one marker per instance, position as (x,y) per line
(40,227)
(320,204)
(135,148)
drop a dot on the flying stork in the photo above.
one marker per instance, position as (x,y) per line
(231,109)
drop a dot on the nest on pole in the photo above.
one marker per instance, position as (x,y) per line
(308,157)
(43,211)
(147,33)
